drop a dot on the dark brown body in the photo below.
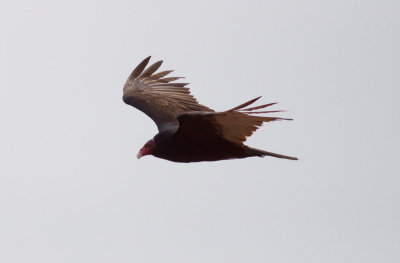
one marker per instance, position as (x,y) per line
(170,146)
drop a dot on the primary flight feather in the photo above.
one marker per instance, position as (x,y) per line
(189,131)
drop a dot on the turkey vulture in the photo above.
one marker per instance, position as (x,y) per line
(189,131)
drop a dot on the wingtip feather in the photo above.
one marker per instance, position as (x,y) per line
(139,69)
(150,70)
(245,104)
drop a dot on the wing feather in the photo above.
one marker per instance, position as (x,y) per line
(170,79)
(159,75)
(150,70)
(136,72)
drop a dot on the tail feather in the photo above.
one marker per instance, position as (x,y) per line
(261,153)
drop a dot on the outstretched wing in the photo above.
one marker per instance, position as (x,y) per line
(234,125)
(157,97)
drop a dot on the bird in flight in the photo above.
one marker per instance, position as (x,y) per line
(189,131)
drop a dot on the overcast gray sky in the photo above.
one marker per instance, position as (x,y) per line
(72,190)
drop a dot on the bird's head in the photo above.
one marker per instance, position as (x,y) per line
(147,149)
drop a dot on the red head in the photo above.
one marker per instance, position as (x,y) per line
(147,149)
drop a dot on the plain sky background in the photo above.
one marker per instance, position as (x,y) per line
(72,190)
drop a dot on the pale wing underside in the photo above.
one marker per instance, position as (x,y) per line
(156,96)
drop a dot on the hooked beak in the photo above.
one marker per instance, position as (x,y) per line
(139,155)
